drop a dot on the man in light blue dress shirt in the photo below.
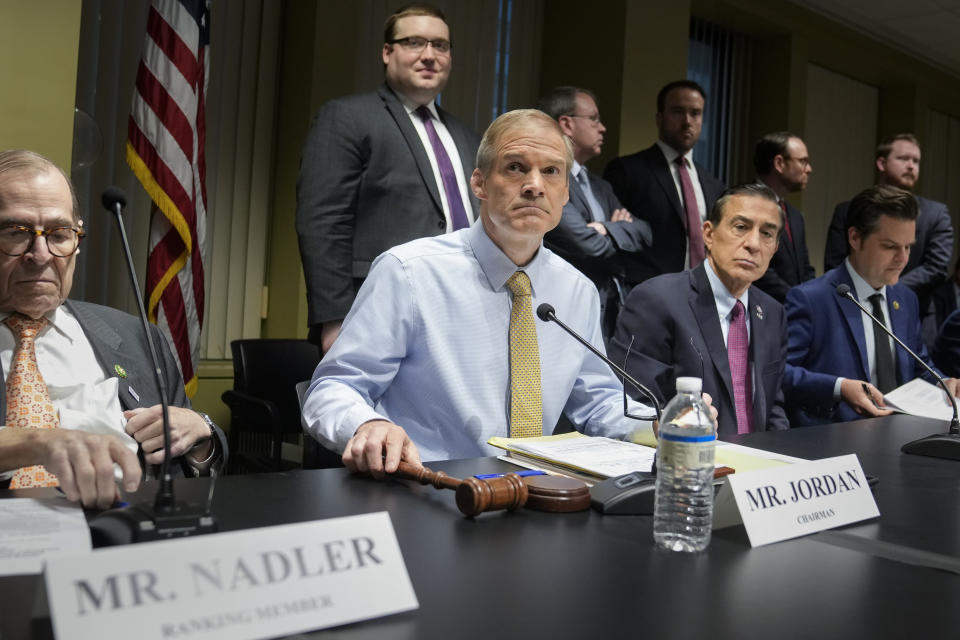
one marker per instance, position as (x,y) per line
(421,367)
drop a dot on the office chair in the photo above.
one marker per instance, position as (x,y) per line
(264,406)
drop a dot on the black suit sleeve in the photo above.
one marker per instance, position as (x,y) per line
(836,248)
(331,168)
(772,283)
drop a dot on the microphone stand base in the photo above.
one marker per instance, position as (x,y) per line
(939,445)
(144,523)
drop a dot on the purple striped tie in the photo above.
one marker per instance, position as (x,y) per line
(738,347)
(454,200)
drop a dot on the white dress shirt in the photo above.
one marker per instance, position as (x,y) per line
(452,152)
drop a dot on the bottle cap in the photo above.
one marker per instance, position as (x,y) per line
(689,385)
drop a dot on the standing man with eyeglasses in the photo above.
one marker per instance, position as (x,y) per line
(78,394)
(782,163)
(595,231)
(382,168)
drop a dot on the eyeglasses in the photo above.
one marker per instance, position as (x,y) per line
(416,44)
(595,118)
(16,240)
(803,162)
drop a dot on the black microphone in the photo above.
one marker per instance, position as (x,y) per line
(938,445)
(547,313)
(165,518)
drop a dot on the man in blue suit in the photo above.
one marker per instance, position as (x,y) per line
(839,364)
(596,234)
(712,323)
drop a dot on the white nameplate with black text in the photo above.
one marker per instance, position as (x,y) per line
(258,583)
(795,500)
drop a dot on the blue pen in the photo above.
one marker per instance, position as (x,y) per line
(525,472)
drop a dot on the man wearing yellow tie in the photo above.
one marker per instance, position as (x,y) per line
(442,350)
(77,394)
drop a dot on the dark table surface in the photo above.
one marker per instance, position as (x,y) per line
(584,575)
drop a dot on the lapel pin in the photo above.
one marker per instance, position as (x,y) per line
(120,371)
(136,396)
(896,305)
(759,312)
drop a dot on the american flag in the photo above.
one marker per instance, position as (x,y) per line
(165,149)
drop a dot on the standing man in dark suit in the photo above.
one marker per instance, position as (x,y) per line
(711,323)
(595,231)
(783,164)
(839,364)
(898,165)
(78,392)
(381,168)
(665,187)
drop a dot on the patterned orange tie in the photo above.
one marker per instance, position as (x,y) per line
(28,400)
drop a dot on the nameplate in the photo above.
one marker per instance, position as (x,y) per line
(794,500)
(259,583)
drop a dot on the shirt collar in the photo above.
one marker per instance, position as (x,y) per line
(411,106)
(721,295)
(863,289)
(576,169)
(495,264)
(58,319)
(672,154)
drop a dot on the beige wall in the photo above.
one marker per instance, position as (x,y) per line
(38,46)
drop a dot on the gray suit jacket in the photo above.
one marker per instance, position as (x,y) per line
(117,341)
(365,185)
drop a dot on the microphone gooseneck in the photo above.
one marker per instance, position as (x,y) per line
(938,445)
(167,518)
(547,313)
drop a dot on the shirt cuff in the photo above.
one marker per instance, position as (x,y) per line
(836,389)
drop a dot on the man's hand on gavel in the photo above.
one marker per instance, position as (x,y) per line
(377,448)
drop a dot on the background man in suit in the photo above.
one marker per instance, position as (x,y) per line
(711,323)
(595,230)
(898,165)
(783,164)
(381,168)
(79,393)
(839,364)
(665,187)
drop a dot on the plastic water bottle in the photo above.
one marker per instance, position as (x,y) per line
(683,507)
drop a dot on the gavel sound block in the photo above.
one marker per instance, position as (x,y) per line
(474,496)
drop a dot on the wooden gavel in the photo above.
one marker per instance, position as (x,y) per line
(473,495)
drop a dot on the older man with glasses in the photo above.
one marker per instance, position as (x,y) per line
(78,395)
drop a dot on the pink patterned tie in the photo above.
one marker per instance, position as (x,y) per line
(694,226)
(28,400)
(738,349)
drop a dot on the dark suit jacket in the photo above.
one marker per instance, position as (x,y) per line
(790,265)
(946,350)
(117,340)
(944,301)
(668,312)
(929,259)
(645,186)
(365,185)
(826,341)
(599,257)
